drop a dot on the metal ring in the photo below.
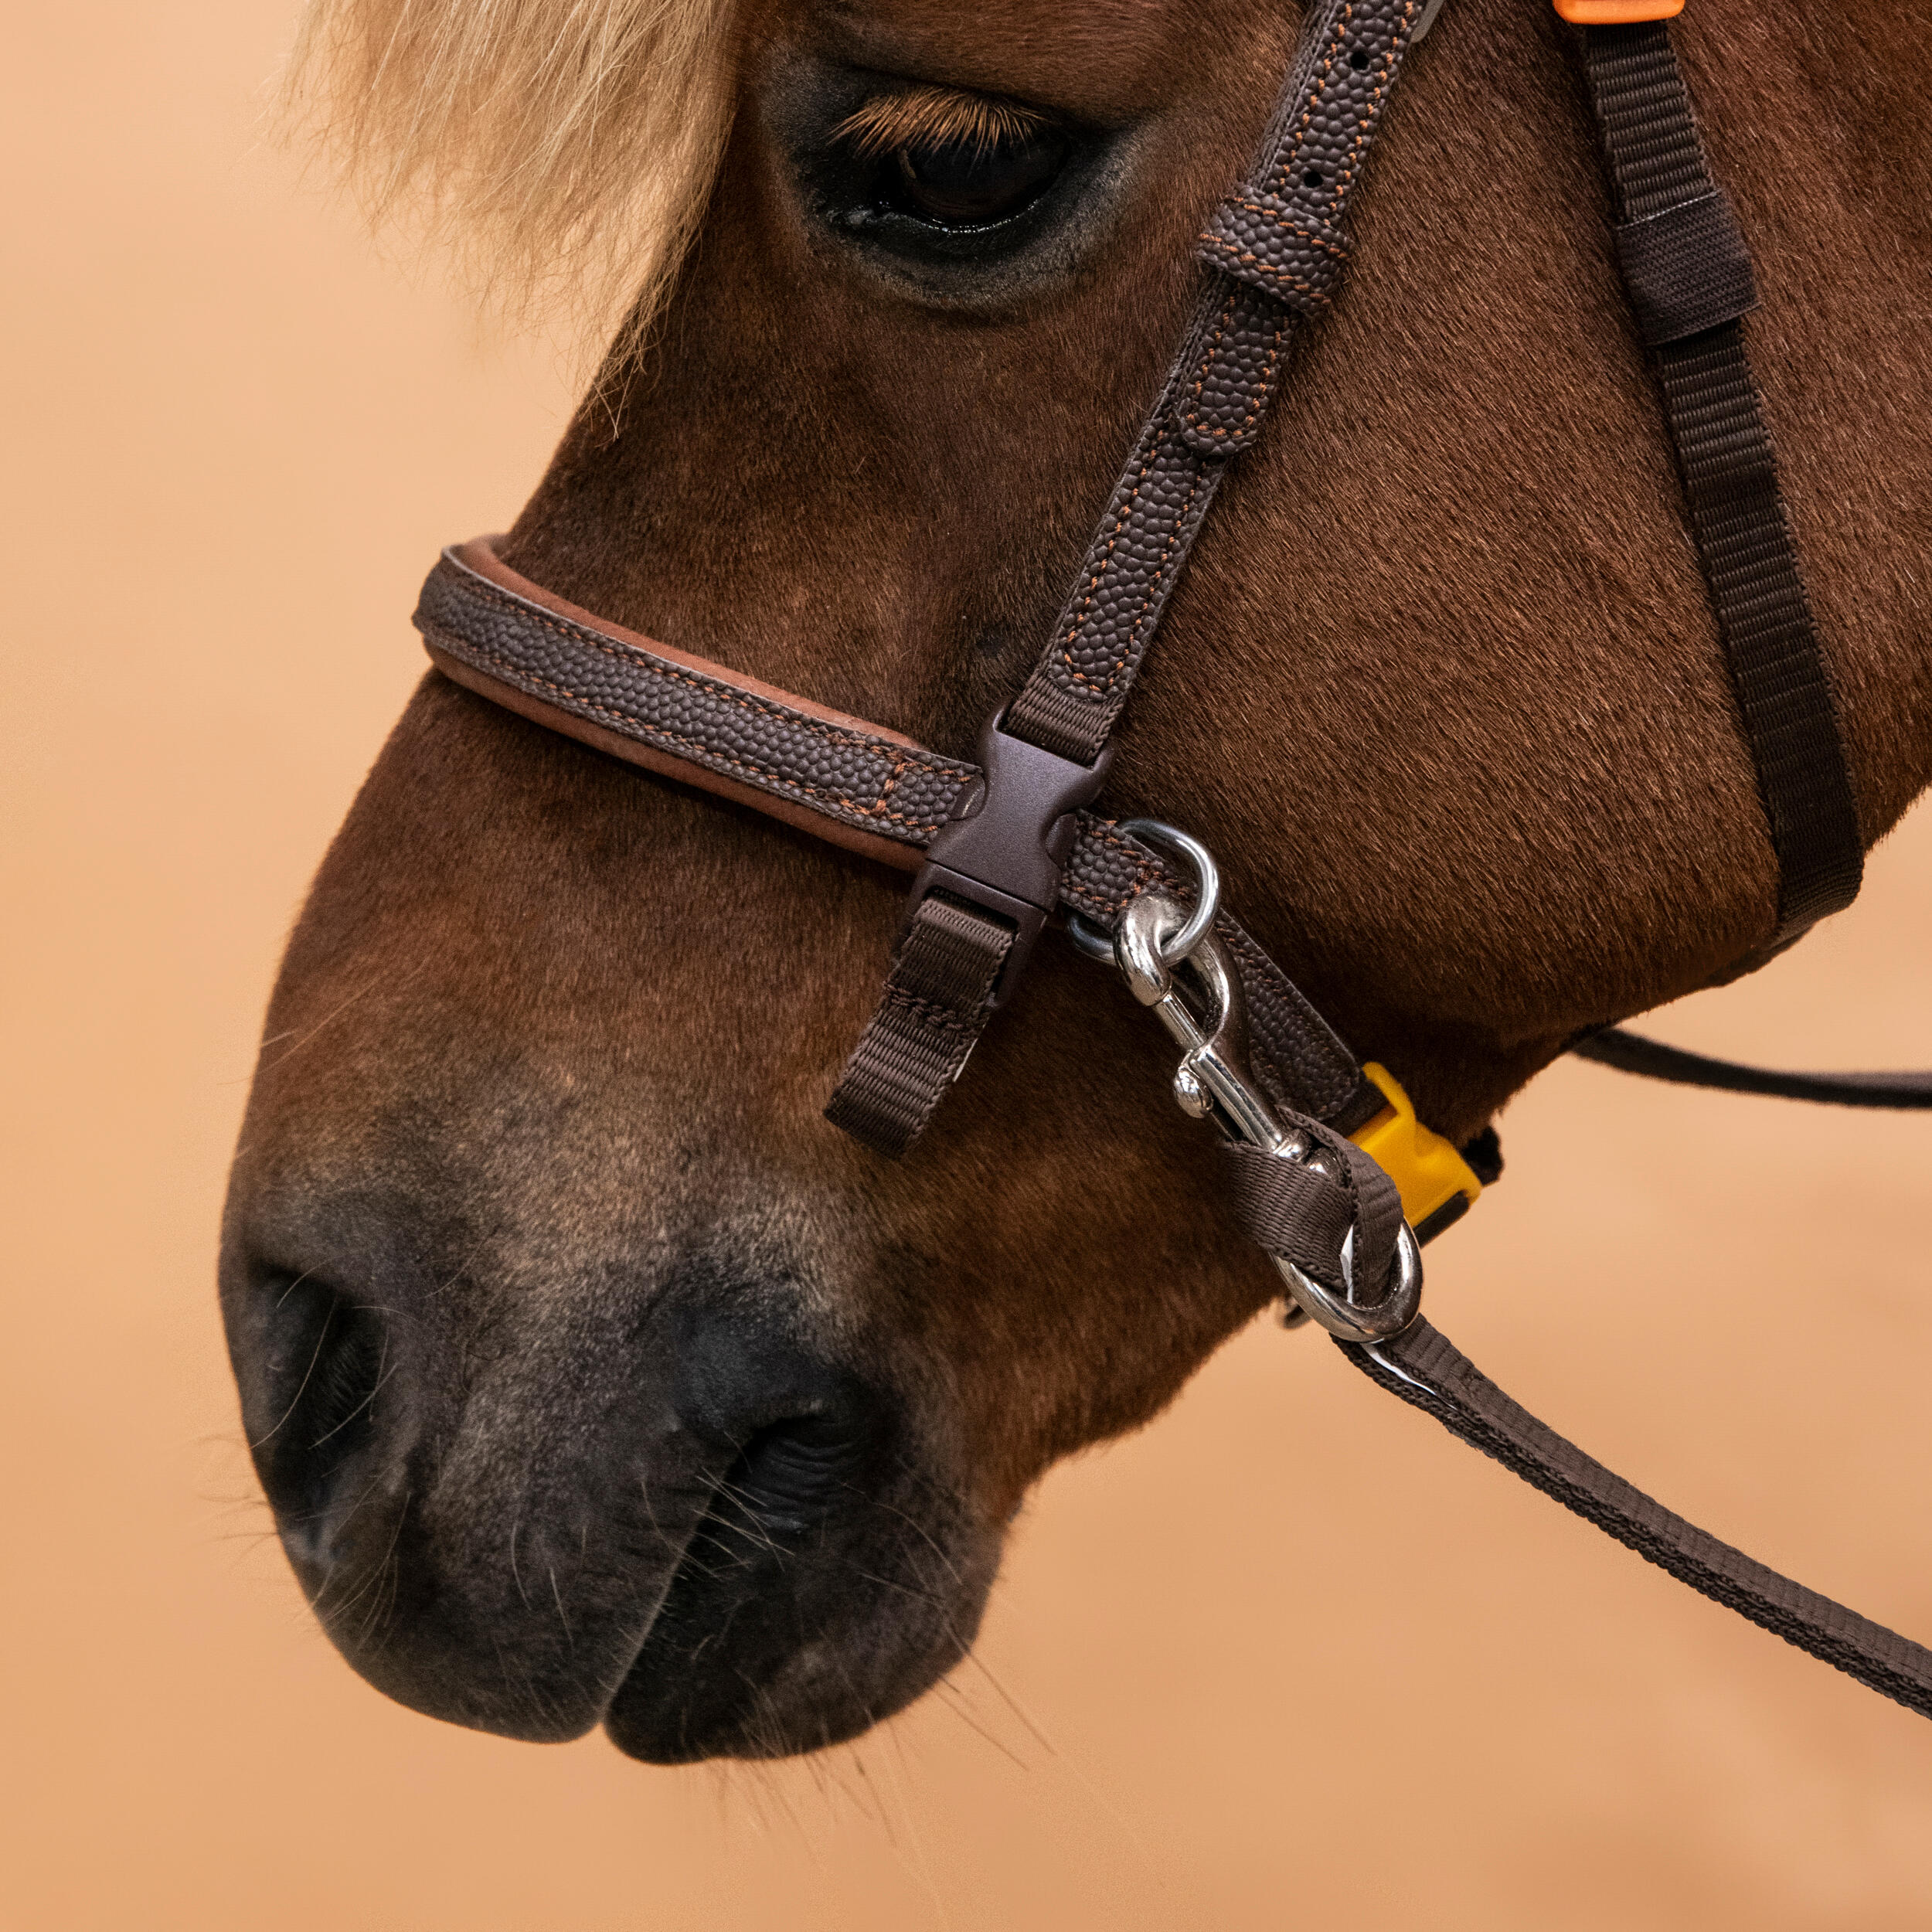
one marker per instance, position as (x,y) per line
(1097,944)
(1096,941)
(1207,882)
(1381,1321)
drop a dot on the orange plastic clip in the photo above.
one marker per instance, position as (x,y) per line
(1616,13)
(1429,1174)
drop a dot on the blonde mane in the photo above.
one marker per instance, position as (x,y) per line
(565,148)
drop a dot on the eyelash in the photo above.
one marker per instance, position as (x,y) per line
(954,161)
(935,117)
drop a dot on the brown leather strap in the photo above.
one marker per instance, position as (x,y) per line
(1423,1368)
(858,785)
(1301,1216)
(1689,273)
(1276,246)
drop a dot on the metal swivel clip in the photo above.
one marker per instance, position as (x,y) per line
(1170,956)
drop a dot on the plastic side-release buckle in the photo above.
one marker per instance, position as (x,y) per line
(1616,13)
(1009,838)
(1436,1183)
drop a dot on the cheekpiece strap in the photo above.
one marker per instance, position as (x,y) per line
(1274,249)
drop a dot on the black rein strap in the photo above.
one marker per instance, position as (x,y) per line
(1632,1053)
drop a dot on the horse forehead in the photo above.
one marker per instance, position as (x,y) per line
(1104,58)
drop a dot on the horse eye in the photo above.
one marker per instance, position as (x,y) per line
(961,192)
(970,183)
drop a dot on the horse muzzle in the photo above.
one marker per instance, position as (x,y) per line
(667,1507)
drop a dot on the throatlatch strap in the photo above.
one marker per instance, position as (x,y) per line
(1423,1368)
(1632,1053)
(1689,275)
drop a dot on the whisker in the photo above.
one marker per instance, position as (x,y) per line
(956,1704)
(295,1401)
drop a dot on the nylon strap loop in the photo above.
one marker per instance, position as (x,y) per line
(937,995)
(1686,269)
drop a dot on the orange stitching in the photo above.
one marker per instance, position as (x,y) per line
(1093,582)
(1282,221)
(1347,180)
(1346,175)
(1268,268)
(1214,347)
(1258,399)
(1315,100)
(1212,356)
(1118,663)
(1146,871)
(885,791)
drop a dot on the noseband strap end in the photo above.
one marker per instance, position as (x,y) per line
(935,1001)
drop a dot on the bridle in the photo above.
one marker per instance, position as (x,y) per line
(1329,1169)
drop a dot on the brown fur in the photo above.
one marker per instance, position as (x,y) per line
(1442,688)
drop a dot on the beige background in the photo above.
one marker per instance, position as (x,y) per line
(1291,1656)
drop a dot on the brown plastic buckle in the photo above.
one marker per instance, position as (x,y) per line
(1009,840)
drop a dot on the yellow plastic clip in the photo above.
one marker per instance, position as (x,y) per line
(1434,1180)
(1616,13)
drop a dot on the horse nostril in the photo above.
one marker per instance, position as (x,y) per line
(790,1470)
(325,1366)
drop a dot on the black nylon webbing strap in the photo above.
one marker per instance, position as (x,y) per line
(1423,1368)
(1632,1053)
(1689,275)
(940,984)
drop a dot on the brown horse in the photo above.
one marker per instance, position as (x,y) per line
(593,1376)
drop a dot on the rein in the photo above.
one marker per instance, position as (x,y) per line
(1328,1170)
